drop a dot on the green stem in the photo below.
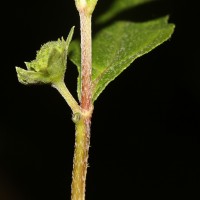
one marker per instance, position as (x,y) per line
(80,163)
(62,89)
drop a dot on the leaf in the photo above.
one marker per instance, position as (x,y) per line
(49,65)
(117,46)
(117,7)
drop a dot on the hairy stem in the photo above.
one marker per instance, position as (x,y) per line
(86,60)
(80,159)
(62,89)
(83,124)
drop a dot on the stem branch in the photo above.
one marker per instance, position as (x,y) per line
(62,89)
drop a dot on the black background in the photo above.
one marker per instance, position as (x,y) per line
(145,132)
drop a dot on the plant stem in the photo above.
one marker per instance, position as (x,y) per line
(83,124)
(86,60)
(62,89)
(82,144)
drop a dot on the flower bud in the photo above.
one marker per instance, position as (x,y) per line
(87,6)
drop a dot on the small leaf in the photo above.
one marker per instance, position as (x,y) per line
(117,46)
(30,77)
(49,65)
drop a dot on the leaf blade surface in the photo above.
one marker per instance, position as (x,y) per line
(118,45)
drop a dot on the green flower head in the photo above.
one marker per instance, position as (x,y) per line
(50,63)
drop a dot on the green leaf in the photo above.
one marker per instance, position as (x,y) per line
(49,65)
(117,7)
(117,46)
